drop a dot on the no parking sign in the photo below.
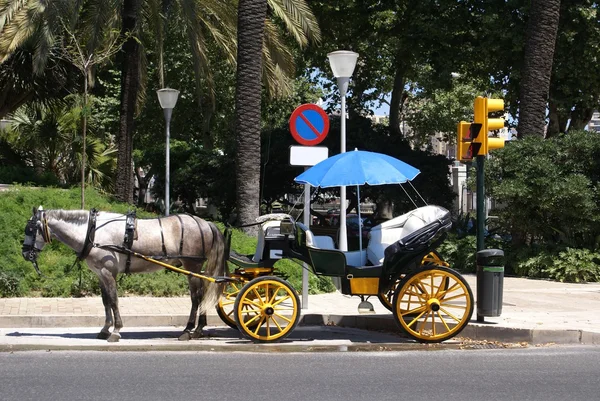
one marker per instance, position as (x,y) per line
(309,124)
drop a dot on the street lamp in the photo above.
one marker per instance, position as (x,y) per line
(342,64)
(168,99)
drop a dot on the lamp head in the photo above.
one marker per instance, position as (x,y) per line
(342,63)
(167,97)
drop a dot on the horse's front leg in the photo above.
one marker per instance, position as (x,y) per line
(108,321)
(196,291)
(109,285)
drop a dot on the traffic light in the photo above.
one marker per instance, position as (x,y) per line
(466,149)
(484,106)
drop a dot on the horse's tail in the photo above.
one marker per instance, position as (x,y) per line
(215,266)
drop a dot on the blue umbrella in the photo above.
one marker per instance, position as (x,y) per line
(358,167)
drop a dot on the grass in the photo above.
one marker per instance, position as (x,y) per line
(62,279)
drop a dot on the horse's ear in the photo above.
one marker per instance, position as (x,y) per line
(41,208)
(33,210)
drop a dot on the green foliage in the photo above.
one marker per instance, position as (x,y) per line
(9,285)
(459,252)
(569,265)
(26,175)
(548,189)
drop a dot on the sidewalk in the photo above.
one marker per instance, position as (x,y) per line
(534,311)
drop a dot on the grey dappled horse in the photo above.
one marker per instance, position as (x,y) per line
(184,238)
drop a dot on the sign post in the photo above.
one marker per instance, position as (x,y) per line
(309,125)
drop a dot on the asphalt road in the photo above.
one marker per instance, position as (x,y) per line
(545,373)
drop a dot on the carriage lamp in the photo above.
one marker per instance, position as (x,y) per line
(342,64)
(167,98)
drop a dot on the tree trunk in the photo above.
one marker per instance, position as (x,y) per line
(540,41)
(130,84)
(398,96)
(251,23)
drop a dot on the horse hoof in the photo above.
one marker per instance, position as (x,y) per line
(197,334)
(114,338)
(186,336)
(103,335)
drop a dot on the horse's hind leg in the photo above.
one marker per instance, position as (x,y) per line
(108,321)
(196,290)
(111,304)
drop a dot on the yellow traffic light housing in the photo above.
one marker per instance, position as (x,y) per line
(466,149)
(484,106)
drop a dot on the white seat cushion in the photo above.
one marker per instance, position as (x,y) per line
(393,230)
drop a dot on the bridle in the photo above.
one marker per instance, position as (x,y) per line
(37,222)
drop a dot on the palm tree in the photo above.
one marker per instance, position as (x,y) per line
(255,51)
(204,20)
(48,138)
(251,25)
(540,41)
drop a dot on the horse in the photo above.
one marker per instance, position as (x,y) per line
(108,243)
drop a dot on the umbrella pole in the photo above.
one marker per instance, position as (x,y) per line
(359,226)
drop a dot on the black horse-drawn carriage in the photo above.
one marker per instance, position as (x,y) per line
(429,301)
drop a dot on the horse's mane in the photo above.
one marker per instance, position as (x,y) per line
(72,216)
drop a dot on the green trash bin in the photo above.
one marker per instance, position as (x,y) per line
(490,282)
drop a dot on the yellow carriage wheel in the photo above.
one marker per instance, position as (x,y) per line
(267,309)
(386,298)
(433,305)
(225,307)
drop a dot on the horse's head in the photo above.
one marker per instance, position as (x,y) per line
(37,234)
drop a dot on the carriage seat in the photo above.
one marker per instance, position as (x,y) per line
(353,258)
(401,227)
(270,227)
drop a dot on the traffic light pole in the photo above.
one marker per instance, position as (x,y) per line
(480,212)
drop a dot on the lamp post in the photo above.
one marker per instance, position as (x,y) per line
(342,64)
(168,99)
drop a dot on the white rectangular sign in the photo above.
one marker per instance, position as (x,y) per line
(307,155)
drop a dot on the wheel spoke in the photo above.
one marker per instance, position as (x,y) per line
(422,308)
(415,319)
(249,303)
(416,294)
(258,326)
(450,314)
(420,287)
(280,300)
(463,295)
(257,295)
(277,324)
(283,317)
(455,287)
(443,321)
(443,284)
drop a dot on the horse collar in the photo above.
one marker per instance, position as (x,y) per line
(88,243)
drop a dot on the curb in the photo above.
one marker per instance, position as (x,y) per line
(473,331)
(254,348)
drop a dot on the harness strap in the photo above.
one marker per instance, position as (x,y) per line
(129,237)
(201,235)
(181,241)
(162,236)
(88,243)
